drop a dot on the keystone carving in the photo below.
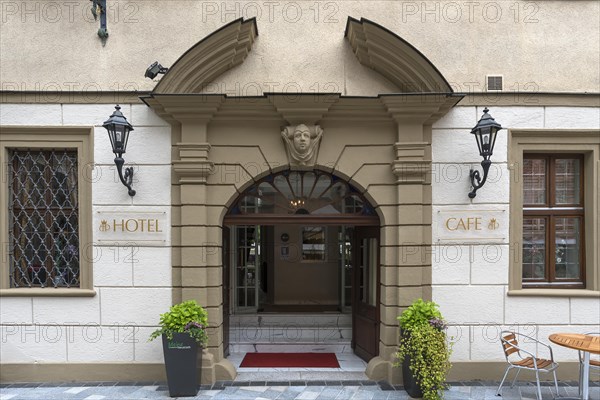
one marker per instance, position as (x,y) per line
(302,144)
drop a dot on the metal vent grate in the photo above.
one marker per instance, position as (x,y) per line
(494,82)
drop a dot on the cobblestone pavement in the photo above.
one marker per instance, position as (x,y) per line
(313,390)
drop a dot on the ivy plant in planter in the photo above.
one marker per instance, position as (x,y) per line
(183,331)
(424,352)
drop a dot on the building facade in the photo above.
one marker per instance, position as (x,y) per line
(295,159)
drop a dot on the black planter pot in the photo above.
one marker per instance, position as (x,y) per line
(181,363)
(410,383)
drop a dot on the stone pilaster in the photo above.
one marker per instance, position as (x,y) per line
(407,273)
(197,263)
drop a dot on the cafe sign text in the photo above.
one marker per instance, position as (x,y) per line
(471,226)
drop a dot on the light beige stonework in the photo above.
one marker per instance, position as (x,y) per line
(400,176)
(220,146)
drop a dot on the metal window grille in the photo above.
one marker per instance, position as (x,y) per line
(43,218)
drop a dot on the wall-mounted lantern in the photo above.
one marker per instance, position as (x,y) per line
(485,133)
(118,131)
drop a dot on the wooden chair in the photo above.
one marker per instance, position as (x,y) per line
(594,363)
(518,358)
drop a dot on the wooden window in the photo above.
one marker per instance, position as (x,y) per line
(553,221)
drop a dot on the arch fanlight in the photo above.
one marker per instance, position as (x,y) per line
(301,194)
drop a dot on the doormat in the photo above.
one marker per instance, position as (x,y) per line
(290,360)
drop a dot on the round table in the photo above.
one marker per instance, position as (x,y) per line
(586,343)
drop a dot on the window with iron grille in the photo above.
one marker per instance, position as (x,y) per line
(43,218)
(553,221)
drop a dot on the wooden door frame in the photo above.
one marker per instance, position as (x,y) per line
(226,285)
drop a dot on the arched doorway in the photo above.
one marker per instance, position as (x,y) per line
(380,140)
(304,241)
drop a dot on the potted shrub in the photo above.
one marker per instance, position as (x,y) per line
(183,331)
(424,352)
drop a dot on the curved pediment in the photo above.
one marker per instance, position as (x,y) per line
(393,57)
(375,47)
(212,56)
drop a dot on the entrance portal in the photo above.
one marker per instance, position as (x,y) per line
(303,242)
(291,268)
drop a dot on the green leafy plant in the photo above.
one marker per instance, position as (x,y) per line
(424,343)
(187,317)
(419,313)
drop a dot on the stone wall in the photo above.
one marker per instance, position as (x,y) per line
(470,280)
(132,281)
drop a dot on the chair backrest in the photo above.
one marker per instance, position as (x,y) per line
(509,343)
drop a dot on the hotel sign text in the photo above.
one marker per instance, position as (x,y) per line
(131,227)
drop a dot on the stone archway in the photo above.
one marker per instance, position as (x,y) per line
(324,277)
(221,145)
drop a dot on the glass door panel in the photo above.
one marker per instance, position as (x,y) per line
(345,247)
(247,261)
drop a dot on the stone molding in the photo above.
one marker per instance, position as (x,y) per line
(410,165)
(218,52)
(387,53)
(193,165)
(307,109)
(515,98)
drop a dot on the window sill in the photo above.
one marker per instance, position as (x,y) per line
(47,292)
(555,292)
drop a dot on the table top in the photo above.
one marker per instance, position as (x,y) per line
(577,341)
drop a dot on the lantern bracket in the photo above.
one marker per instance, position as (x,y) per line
(127,177)
(476,180)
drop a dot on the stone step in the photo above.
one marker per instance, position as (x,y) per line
(284,320)
(289,334)
(286,347)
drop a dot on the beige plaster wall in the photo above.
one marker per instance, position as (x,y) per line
(537,46)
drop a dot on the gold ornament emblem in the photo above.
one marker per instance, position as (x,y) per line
(493,224)
(104,226)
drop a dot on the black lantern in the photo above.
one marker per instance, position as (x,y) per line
(118,131)
(485,134)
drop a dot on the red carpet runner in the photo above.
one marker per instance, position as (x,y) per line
(290,360)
